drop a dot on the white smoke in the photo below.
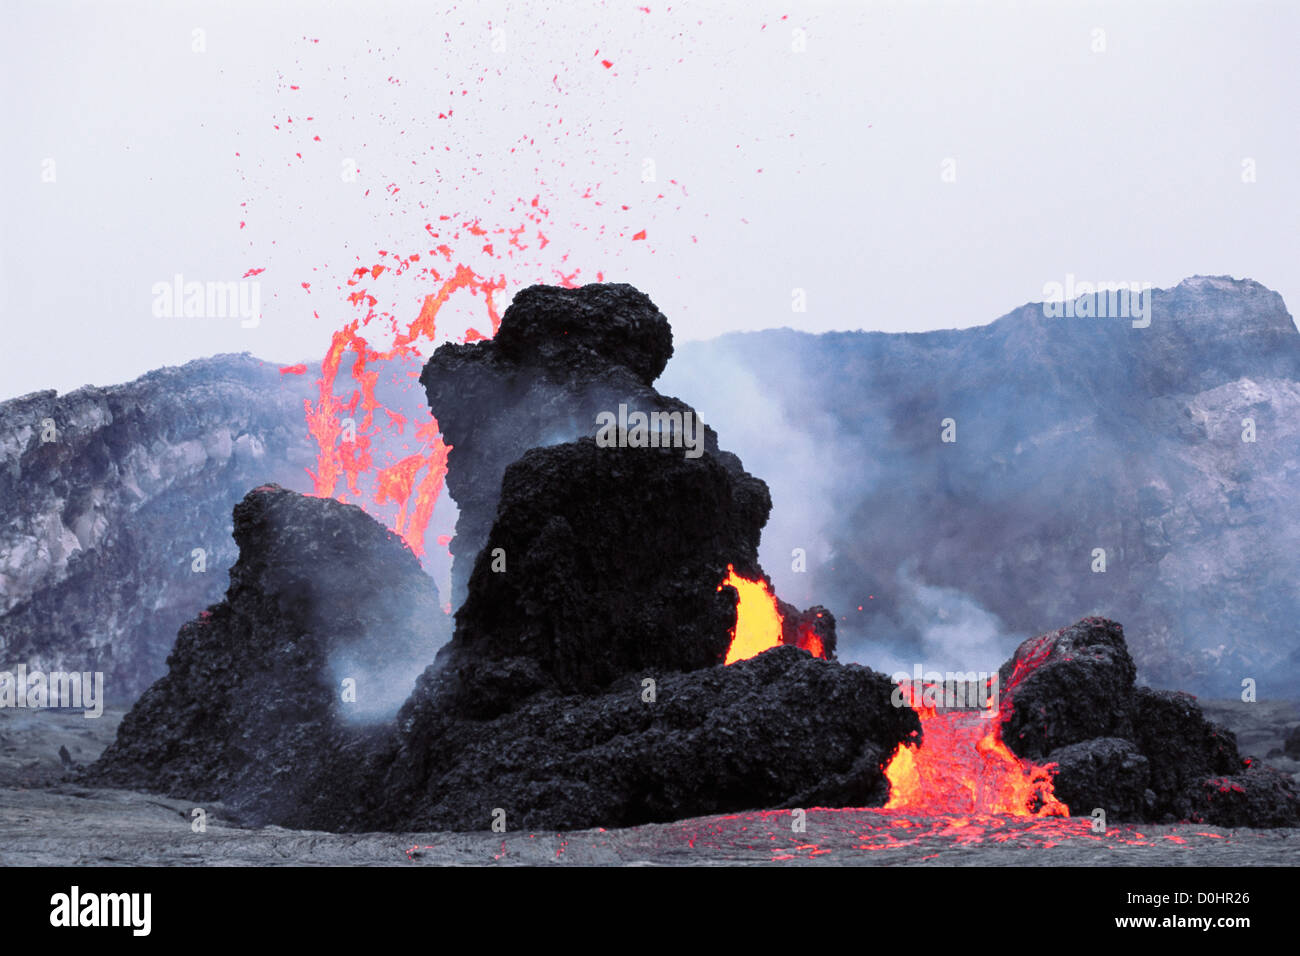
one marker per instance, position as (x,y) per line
(815,475)
(941,628)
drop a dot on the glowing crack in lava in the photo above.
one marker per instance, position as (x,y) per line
(963,767)
(758,621)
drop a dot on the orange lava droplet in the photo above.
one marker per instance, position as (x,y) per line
(639,235)
(299,369)
(964,767)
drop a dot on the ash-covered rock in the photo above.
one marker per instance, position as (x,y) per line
(1069,697)
(1073,434)
(275,696)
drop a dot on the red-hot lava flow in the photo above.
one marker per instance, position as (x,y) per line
(759,621)
(963,767)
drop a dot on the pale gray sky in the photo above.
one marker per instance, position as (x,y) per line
(1122,164)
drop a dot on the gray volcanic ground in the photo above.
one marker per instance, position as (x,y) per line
(47,820)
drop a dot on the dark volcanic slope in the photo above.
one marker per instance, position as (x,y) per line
(98,528)
(1072,434)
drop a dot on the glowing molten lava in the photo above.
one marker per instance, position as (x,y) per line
(413,482)
(364,445)
(963,767)
(759,622)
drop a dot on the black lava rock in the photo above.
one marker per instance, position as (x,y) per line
(1069,697)
(252,710)
(613,323)
(1258,796)
(1066,687)
(782,729)
(559,359)
(584,685)
(606,561)
(1106,772)
(1184,749)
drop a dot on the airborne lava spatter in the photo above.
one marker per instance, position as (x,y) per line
(409,164)
(414,482)
(963,767)
(355,454)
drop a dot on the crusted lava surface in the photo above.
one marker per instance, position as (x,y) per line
(782,729)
